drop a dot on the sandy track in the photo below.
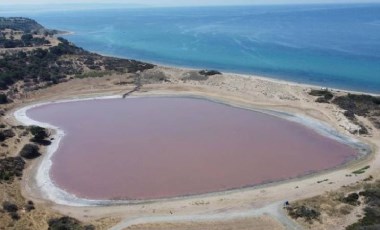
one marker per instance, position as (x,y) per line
(274,210)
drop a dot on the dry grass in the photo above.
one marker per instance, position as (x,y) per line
(243,224)
(334,212)
(34,220)
(11,191)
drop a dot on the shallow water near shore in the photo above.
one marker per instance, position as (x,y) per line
(149,148)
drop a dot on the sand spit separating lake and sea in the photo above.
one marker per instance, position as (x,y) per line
(263,203)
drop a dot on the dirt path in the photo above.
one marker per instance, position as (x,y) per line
(137,87)
(274,211)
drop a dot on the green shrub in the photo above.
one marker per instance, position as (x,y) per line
(29,206)
(2,137)
(322,100)
(14,215)
(209,72)
(349,114)
(327,95)
(351,199)
(67,223)
(358,104)
(11,167)
(30,151)
(3,98)
(38,133)
(309,214)
(8,133)
(362,170)
(9,207)
(371,219)
(94,74)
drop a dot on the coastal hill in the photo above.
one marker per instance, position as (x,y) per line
(32,58)
(25,25)
(23,32)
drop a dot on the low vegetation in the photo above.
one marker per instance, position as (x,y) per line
(2,137)
(40,135)
(360,105)
(37,66)
(3,99)
(42,67)
(152,77)
(201,75)
(309,214)
(324,95)
(371,219)
(209,72)
(10,168)
(11,209)
(322,211)
(362,170)
(26,40)
(354,105)
(352,199)
(29,206)
(30,151)
(25,25)
(6,134)
(68,223)
(93,74)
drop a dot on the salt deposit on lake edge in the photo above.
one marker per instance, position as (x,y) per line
(52,192)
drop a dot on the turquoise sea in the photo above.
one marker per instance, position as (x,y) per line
(328,45)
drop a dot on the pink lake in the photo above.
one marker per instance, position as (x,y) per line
(160,147)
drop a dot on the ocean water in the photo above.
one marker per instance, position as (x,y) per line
(328,45)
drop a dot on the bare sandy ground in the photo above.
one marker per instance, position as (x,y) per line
(261,204)
(262,222)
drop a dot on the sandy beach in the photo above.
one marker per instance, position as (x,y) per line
(263,202)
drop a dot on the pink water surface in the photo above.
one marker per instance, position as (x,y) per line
(148,148)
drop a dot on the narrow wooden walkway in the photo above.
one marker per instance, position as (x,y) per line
(137,87)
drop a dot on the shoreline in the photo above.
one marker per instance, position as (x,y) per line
(64,33)
(51,192)
(270,78)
